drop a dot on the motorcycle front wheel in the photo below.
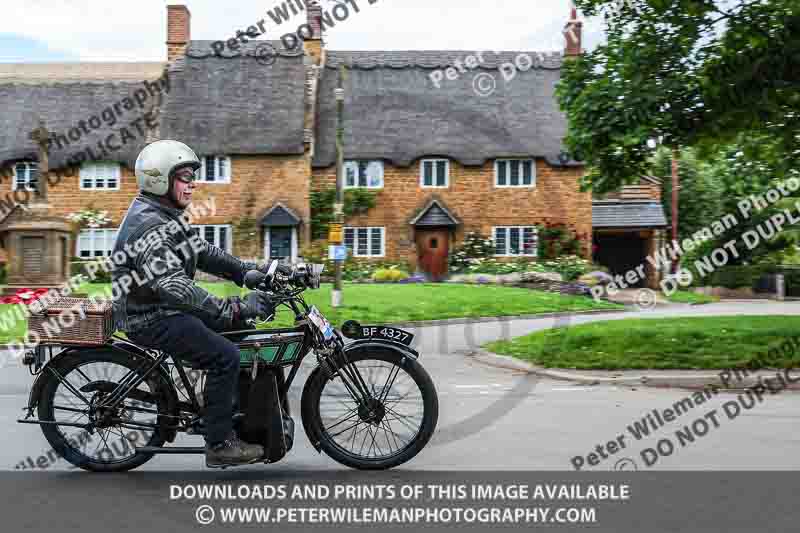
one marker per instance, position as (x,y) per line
(387,429)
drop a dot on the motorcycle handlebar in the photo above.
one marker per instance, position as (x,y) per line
(255,279)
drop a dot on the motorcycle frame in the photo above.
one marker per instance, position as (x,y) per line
(156,360)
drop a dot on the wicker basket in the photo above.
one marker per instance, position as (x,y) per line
(67,320)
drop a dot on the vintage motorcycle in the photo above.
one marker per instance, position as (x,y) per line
(368,404)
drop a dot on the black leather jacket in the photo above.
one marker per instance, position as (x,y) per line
(157,254)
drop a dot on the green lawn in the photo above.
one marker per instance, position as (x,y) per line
(675,343)
(386,303)
(687,297)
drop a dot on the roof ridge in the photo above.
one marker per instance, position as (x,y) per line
(438,59)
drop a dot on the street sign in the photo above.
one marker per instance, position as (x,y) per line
(335,234)
(337,252)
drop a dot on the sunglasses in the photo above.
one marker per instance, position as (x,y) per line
(186,175)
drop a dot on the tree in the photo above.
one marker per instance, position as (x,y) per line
(684,72)
(741,169)
(700,196)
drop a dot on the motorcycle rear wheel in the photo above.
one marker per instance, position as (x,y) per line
(109,449)
(372,438)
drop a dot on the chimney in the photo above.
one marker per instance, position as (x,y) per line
(573,34)
(314,45)
(178,31)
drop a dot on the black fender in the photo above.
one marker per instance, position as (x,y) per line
(381,343)
(129,349)
(352,348)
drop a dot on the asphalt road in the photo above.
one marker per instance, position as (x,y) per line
(497,419)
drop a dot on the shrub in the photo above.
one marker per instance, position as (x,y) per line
(472,251)
(353,269)
(736,277)
(101,275)
(2,274)
(389,274)
(571,267)
(557,241)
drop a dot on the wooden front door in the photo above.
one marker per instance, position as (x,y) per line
(432,249)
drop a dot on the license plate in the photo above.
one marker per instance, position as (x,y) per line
(321,322)
(388,333)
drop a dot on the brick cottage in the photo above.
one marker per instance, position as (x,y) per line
(441,159)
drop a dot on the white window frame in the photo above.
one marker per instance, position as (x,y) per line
(522,237)
(110,236)
(446,173)
(219,178)
(352,164)
(228,242)
(355,229)
(29,165)
(508,185)
(100,170)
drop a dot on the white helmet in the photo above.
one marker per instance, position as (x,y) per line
(158,160)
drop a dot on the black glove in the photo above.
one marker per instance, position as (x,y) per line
(255,305)
(282,269)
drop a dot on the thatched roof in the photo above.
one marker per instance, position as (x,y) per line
(242,103)
(394,111)
(62,106)
(237,103)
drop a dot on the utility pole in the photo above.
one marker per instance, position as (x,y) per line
(675,189)
(338,206)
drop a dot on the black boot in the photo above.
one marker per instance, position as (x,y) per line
(232,452)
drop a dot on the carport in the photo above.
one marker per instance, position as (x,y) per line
(625,233)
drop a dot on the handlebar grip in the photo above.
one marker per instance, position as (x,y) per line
(253,279)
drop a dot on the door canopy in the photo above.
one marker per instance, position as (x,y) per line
(434,214)
(280,215)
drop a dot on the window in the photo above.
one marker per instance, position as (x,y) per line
(367,174)
(26,176)
(96,243)
(515,240)
(435,173)
(365,242)
(218,235)
(514,173)
(103,175)
(215,169)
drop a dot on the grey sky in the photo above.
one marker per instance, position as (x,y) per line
(116,30)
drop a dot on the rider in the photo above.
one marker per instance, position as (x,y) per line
(165,309)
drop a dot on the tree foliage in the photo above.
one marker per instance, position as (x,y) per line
(684,72)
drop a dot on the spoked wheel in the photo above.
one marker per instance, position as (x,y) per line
(74,394)
(387,429)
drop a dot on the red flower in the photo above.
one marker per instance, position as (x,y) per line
(25,296)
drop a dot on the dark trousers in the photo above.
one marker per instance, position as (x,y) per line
(186,338)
